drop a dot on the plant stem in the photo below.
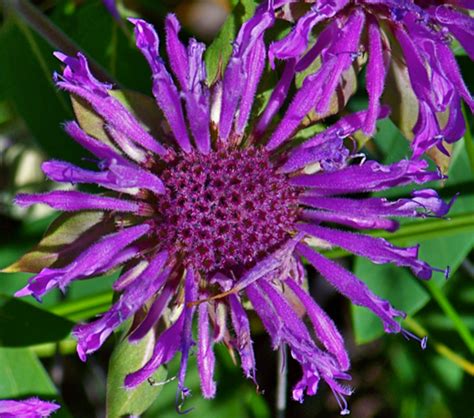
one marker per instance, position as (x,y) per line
(282,379)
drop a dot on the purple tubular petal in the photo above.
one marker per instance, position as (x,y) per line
(324,327)
(460,25)
(324,40)
(266,312)
(92,260)
(197,97)
(115,177)
(236,77)
(255,65)
(166,347)
(94,146)
(205,354)
(423,203)
(152,316)
(277,98)
(77,79)
(71,201)
(27,408)
(266,265)
(353,221)
(451,68)
(314,362)
(176,51)
(455,127)
(344,127)
(164,89)
(368,177)
(375,76)
(427,132)
(342,52)
(190,295)
(378,250)
(90,337)
(296,43)
(353,288)
(241,325)
(331,155)
(417,72)
(131,150)
(301,104)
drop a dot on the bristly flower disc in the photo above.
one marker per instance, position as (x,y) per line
(221,217)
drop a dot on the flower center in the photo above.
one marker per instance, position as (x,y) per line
(226,210)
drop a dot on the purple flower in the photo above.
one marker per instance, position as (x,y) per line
(220,218)
(411,37)
(28,408)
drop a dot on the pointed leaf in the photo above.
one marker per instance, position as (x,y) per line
(127,358)
(65,237)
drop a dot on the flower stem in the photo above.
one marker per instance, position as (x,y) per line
(282,379)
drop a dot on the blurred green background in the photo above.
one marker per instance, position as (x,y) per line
(392,377)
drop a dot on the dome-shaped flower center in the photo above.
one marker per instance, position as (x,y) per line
(226,210)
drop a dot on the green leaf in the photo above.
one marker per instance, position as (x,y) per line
(127,358)
(218,53)
(26,78)
(22,376)
(67,235)
(22,324)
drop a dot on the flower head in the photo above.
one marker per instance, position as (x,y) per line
(409,39)
(28,408)
(218,217)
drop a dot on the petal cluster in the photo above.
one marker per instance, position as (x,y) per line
(407,41)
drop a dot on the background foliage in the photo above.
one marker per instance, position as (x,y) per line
(394,378)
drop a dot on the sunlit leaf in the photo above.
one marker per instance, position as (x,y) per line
(218,53)
(127,358)
(68,234)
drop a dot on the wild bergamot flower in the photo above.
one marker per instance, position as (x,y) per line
(411,37)
(215,218)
